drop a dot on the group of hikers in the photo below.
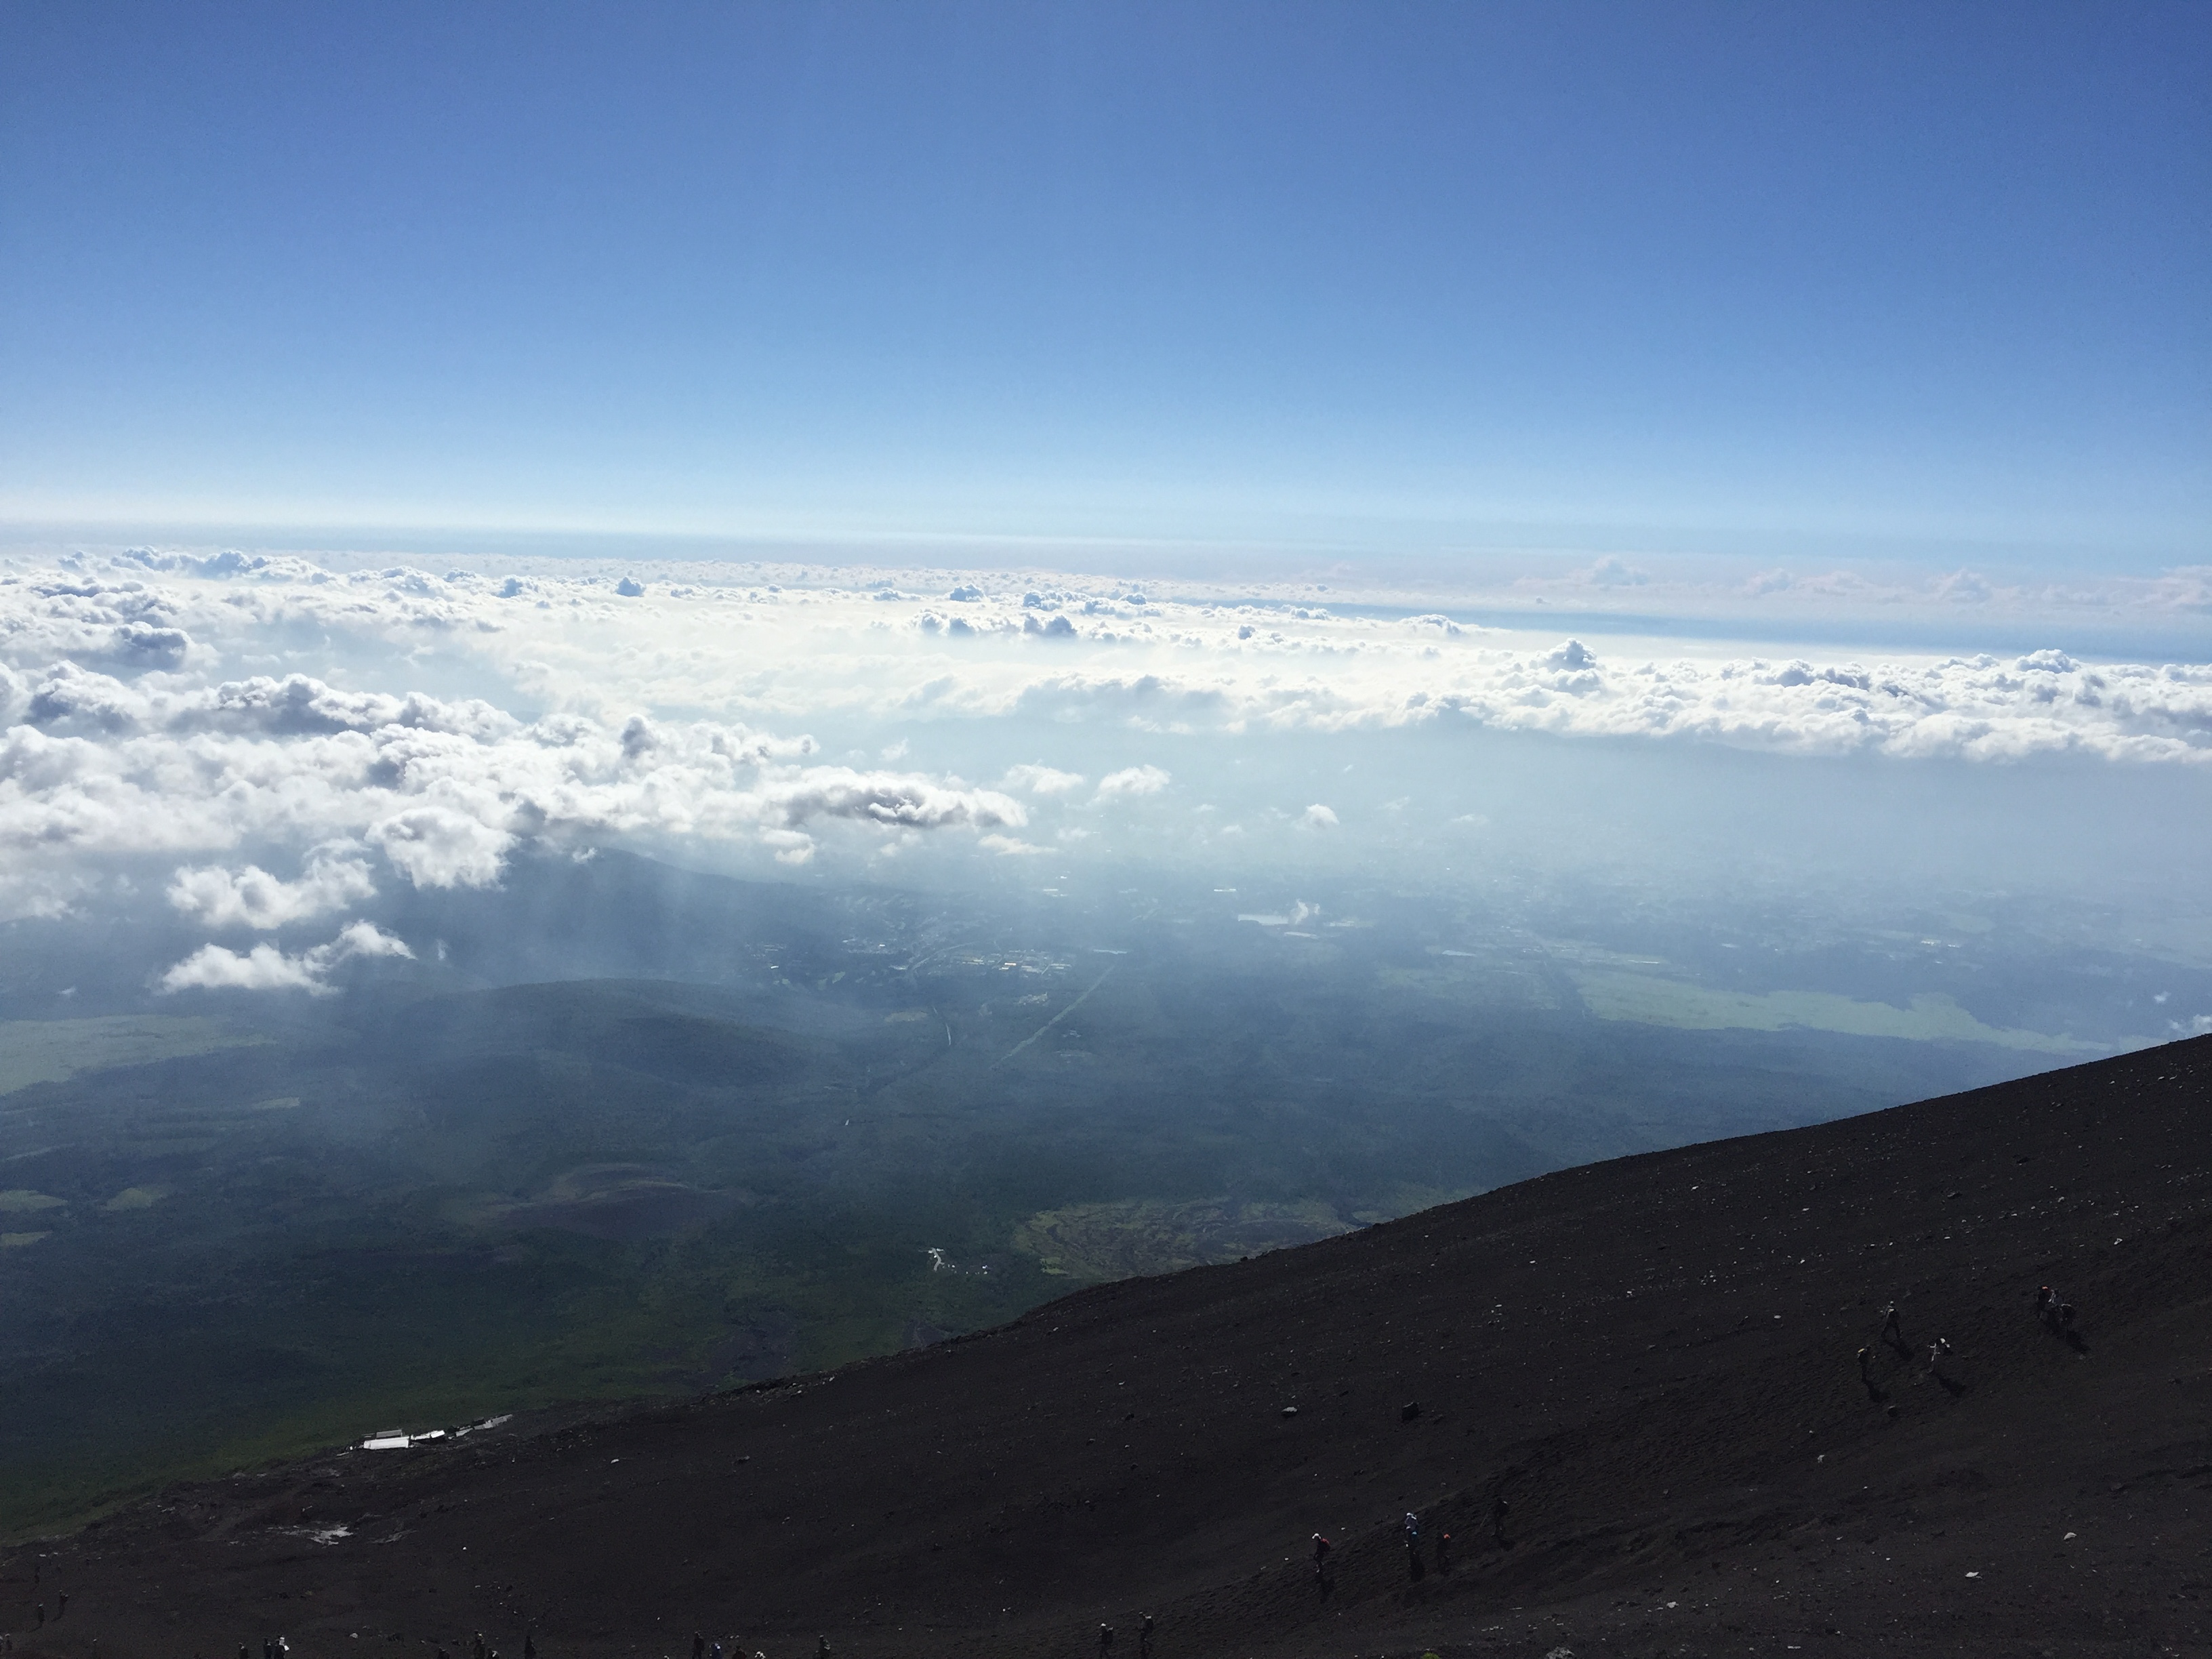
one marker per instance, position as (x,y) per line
(2053,1311)
(480,1649)
(703,1649)
(277,1647)
(1410,1528)
(1144,1639)
(61,1602)
(2056,1313)
(1892,1333)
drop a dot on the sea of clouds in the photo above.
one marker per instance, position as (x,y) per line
(283,736)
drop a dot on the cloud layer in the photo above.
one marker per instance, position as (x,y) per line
(344,728)
(123,650)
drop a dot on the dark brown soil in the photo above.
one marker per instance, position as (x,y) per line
(1652,1362)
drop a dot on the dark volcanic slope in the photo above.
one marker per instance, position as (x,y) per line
(1651,1360)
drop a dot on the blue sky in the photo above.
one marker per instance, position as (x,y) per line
(1909,280)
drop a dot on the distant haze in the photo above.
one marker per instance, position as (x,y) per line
(258,745)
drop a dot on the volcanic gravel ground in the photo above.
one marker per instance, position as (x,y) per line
(1651,1361)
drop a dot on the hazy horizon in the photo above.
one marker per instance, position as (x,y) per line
(295,738)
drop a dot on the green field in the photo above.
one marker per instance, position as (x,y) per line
(1656,1000)
(48,1050)
(1145,1235)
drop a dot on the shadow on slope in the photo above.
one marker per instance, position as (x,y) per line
(1633,1394)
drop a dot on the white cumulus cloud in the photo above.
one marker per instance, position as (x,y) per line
(264,968)
(443,846)
(1132,780)
(252,898)
(1042,779)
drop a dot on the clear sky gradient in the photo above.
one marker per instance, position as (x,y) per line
(1406,277)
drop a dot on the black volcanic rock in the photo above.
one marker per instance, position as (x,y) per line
(1645,1424)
